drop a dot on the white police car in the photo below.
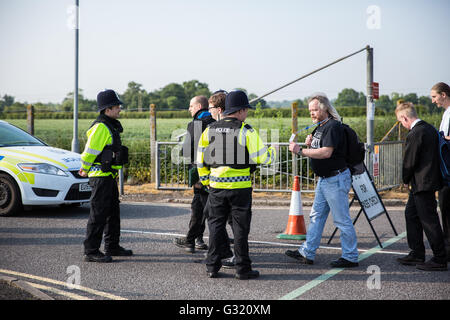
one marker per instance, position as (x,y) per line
(33,173)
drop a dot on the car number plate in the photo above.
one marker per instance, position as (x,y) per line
(85,187)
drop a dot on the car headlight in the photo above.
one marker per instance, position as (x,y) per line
(44,168)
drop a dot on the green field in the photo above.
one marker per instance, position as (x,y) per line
(136,135)
(58,132)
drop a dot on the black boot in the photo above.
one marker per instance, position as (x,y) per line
(97,257)
(119,252)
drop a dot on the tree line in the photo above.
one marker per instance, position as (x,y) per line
(176,96)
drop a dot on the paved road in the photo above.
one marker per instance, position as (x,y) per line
(44,247)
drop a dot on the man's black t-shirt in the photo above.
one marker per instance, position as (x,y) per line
(330,134)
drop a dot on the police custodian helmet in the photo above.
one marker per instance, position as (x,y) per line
(235,101)
(107,98)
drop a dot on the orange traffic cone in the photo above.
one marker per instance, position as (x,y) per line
(295,229)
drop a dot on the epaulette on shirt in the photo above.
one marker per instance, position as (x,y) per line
(248,127)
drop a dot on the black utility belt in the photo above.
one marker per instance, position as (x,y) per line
(110,157)
(334,173)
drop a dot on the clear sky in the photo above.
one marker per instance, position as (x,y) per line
(253,44)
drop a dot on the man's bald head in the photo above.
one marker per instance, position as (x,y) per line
(198,103)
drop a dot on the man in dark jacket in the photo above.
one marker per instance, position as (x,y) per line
(198,107)
(440,95)
(421,172)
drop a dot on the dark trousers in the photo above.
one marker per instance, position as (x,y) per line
(104,216)
(197,222)
(238,203)
(444,205)
(421,216)
(225,242)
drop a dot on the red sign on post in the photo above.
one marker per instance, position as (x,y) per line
(375,90)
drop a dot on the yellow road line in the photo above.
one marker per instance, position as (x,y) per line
(61,283)
(57,291)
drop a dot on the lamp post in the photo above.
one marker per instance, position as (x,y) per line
(370,109)
(75,143)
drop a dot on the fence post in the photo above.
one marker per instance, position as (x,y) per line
(157,164)
(294,110)
(30,119)
(153,157)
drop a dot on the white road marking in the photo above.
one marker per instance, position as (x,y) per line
(257,242)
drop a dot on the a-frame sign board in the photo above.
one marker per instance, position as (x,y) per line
(370,201)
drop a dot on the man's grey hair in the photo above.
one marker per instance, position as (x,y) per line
(325,104)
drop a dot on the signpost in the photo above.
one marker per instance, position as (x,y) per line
(368,198)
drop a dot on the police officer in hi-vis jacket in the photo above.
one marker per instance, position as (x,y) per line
(101,160)
(227,151)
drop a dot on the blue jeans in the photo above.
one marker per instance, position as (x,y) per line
(331,194)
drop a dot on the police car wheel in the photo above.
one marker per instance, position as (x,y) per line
(10,202)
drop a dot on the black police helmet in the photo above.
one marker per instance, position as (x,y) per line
(106,99)
(235,101)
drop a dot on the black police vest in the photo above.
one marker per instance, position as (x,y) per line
(224,148)
(115,128)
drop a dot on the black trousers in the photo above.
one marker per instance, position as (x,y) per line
(197,222)
(225,242)
(104,216)
(238,203)
(421,216)
(444,205)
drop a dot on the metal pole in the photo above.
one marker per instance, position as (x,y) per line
(308,74)
(75,143)
(153,145)
(294,110)
(370,109)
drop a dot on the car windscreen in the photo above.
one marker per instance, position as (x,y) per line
(13,136)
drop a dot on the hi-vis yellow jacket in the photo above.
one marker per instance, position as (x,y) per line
(230,176)
(98,136)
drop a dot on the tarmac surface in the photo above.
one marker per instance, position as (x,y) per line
(43,248)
